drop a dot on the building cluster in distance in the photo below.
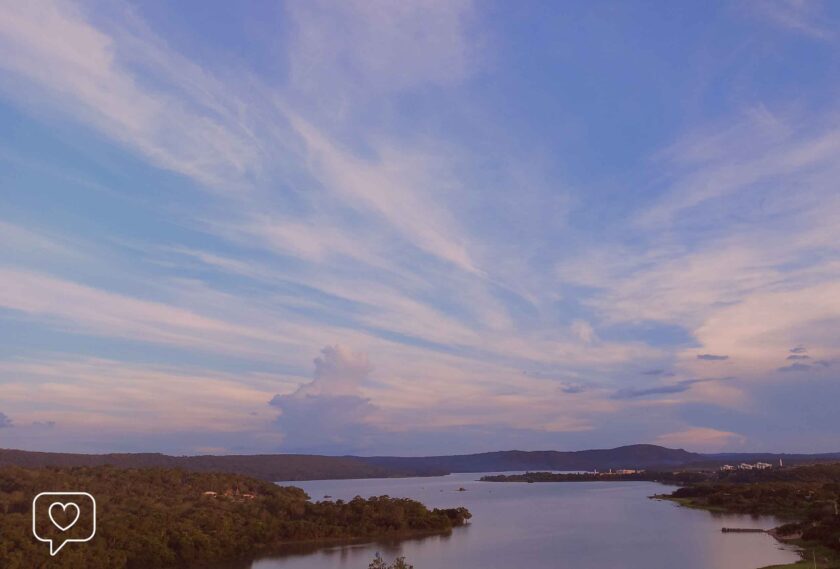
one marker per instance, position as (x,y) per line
(618,471)
(746,466)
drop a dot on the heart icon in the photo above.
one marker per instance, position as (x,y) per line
(64,508)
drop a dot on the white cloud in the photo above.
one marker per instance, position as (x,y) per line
(329,414)
(762,155)
(799,16)
(129,397)
(367,244)
(403,189)
(72,306)
(702,439)
(741,249)
(379,45)
(77,69)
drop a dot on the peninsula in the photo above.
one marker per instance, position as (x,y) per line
(167,518)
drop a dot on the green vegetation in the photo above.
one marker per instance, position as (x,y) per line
(652,476)
(161,518)
(399,563)
(269,467)
(807,496)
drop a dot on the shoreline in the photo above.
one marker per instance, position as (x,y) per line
(825,558)
(306,546)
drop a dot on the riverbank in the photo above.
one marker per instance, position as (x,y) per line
(808,550)
(822,558)
(169,518)
(805,497)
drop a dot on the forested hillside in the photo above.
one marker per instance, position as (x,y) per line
(271,467)
(159,518)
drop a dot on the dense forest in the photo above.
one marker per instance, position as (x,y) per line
(160,518)
(270,467)
(807,496)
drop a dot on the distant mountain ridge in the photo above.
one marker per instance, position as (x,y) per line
(632,456)
(278,467)
(270,467)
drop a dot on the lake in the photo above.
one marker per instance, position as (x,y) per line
(580,525)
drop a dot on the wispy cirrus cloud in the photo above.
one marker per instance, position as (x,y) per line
(377,46)
(106,313)
(372,198)
(132,397)
(92,76)
(791,282)
(124,82)
(804,17)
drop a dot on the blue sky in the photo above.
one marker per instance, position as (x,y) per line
(419,227)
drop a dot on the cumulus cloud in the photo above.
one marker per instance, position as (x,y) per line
(712,357)
(328,414)
(795,357)
(799,350)
(5,422)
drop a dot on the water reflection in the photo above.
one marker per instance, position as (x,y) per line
(585,525)
(351,554)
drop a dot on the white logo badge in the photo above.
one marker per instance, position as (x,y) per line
(64,511)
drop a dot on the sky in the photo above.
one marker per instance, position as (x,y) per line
(419,227)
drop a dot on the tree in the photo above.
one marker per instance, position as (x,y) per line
(399,563)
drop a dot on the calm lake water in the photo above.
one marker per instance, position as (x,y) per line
(579,525)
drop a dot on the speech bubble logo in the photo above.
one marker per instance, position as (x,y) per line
(64,508)
(64,511)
